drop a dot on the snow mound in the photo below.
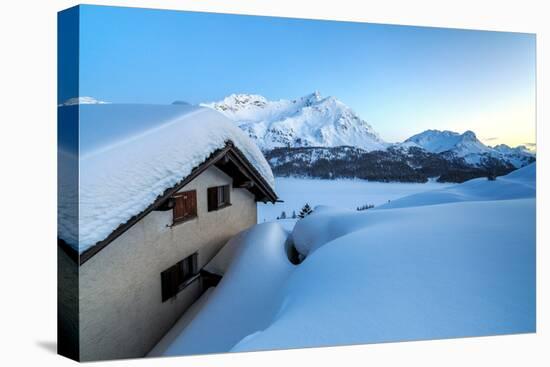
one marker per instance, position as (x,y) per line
(245,300)
(463,268)
(527,174)
(130,154)
(314,231)
(518,184)
(307,121)
(454,270)
(81,100)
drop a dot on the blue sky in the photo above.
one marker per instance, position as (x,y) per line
(402,80)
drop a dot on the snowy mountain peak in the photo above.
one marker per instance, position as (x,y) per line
(437,141)
(238,102)
(467,146)
(81,100)
(469,135)
(520,149)
(310,99)
(310,120)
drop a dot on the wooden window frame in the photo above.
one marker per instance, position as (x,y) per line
(177,277)
(218,197)
(180,204)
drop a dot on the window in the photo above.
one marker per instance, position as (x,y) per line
(185,206)
(178,276)
(218,197)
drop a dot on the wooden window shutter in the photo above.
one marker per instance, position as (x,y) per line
(179,209)
(192,203)
(185,205)
(212,194)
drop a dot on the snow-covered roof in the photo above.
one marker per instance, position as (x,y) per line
(130,154)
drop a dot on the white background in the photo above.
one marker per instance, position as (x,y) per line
(28,182)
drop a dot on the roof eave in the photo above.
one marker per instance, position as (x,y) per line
(229,148)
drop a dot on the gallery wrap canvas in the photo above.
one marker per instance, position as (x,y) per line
(232,183)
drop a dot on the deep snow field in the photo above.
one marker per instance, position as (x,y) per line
(342,193)
(454,262)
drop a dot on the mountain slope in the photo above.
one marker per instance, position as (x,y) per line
(393,164)
(467,146)
(304,122)
(436,141)
(322,137)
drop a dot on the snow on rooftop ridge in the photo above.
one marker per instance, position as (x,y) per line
(82,100)
(123,179)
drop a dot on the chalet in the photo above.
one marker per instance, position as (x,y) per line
(160,190)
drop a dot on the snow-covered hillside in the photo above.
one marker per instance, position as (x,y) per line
(467,146)
(516,156)
(343,193)
(519,184)
(447,269)
(307,121)
(436,141)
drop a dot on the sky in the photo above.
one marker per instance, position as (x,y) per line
(400,79)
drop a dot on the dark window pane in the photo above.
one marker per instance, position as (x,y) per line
(175,277)
(212,193)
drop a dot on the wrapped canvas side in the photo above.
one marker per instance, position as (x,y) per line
(67,184)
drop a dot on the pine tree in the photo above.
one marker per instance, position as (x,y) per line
(365,207)
(294,214)
(306,210)
(283,215)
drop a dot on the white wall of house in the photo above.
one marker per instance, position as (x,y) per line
(121,311)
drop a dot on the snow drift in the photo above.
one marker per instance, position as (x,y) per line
(450,269)
(130,154)
(519,184)
(244,301)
